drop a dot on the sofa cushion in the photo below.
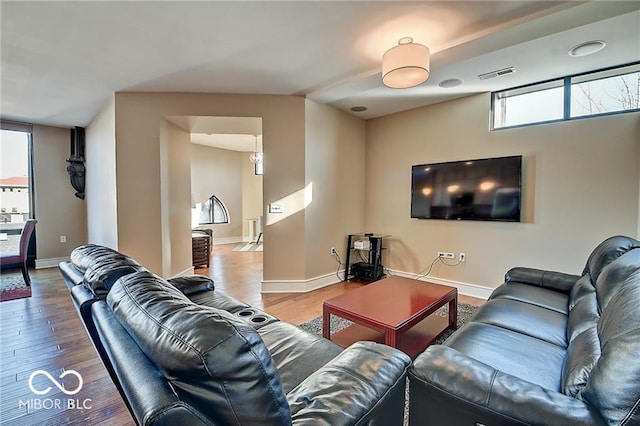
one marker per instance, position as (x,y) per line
(104,272)
(607,251)
(212,359)
(582,355)
(84,256)
(614,383)
(538,296)
(614,274)
(556,281)
(364,385)
(583,288)
(295,352)
(192,284)
(526,319)
(511,353)
(218,300)
(584,315)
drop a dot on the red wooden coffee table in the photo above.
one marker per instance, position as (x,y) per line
(395,311)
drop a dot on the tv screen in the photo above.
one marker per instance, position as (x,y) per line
(484,189)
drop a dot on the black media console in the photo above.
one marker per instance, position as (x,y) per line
(364,257)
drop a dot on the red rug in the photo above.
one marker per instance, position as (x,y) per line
(16,293)
(12,286)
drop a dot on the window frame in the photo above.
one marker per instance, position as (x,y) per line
(213,199)
(258,168)
(567,82)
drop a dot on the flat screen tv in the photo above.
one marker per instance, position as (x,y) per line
(484,189)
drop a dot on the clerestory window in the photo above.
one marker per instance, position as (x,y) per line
(608,91)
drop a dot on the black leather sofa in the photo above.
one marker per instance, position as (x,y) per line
(547,349)
(181,353)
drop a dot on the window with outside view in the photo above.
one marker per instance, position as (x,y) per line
(213,211)
(609,91)
(15,199)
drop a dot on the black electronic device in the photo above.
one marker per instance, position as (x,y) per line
(483,189)
(366,250)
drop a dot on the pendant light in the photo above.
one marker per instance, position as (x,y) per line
(255,156)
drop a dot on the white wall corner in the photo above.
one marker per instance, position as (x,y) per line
(185,273)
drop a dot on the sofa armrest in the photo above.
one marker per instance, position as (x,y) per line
(72,275)
(365,382)
(192,284)
(458,385)
(552,280)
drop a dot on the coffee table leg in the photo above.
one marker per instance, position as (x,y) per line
(391,338)
(453,313)
(326,323)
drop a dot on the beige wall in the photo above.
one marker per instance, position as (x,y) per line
(335,164)
(175,181)
(100,152)
(580,186)
(251,194)
(218,172)
(58,211)
(138,120)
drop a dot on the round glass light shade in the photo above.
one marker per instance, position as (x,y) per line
(406,65)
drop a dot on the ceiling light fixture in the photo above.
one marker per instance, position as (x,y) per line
(255,156)
(405,65)
(359,108)
(587,48)
(450,83)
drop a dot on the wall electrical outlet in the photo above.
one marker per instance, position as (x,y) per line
(332,251)
(462,257)
(446,255)
(63,238)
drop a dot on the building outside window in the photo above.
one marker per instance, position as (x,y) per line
(213,212)
(15,199)
(609,91)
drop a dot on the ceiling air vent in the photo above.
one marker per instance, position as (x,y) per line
(497,73)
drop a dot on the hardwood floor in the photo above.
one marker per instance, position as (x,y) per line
(43,332)
(240,275)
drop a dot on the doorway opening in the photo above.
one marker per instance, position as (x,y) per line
(226,167)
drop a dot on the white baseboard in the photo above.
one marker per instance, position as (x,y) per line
(185,273)
(304,286)
(50,263)
(467,289)
(227,240)
(300,286)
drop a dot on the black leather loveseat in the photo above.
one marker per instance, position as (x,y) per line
(547,348)
(182,353)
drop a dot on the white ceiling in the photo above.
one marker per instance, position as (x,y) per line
(62,60)
(233,133)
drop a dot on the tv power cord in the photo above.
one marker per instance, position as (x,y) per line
(423,274)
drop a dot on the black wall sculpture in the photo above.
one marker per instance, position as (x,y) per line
(76,167)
